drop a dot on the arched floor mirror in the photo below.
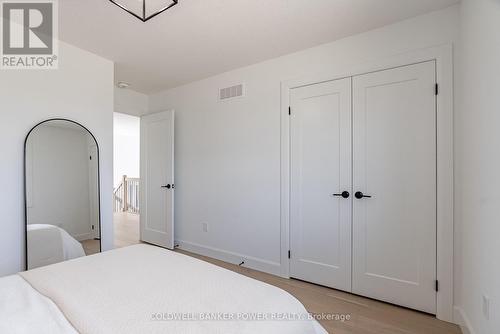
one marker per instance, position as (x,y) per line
(62,197)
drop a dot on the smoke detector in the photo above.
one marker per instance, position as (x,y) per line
(122,84)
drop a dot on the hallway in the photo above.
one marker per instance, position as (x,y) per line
(126,229)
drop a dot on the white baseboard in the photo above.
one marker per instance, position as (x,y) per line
(462,320)
(231,257)
(84,236)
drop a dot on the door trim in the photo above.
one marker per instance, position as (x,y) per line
(443,55)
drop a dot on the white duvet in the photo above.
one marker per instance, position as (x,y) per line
(141,289)
(50,244)
(23,310)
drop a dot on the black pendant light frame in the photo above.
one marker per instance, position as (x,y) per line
(145,18)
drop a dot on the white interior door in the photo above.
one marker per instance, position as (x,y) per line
(394,161)
(157,179)
(320,218)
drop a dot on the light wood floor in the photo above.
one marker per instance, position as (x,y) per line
(126,229)
(91,246)
(367,316)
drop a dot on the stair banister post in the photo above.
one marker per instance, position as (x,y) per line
(125,193)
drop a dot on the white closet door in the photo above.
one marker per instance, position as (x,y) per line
(157,179)
(394,161)
(320,222)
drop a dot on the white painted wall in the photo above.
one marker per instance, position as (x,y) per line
(81,90)
(59,188)
(127,139)
(128,101)
(228,154)
(478,164)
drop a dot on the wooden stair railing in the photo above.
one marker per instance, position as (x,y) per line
(126,196)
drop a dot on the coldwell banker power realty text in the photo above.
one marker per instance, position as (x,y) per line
(29,34)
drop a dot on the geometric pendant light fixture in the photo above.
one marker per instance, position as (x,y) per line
(145,10)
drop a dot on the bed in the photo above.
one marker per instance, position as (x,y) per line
(146,289)
(49,244)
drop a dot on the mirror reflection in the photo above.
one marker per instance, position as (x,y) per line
(62,193)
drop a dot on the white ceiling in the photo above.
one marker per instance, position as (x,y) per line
(200,38)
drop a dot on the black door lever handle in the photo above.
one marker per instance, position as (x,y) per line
(345,194)
(360,195)
(168,186)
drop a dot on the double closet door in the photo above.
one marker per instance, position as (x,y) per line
(363,185)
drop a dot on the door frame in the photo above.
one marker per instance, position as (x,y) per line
(443,56)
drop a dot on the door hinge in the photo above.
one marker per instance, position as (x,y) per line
(437,286)
(289,110)
(289,254)
(437,89)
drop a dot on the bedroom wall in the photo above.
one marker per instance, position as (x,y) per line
(477,199)
(81,90)
(58,193)
(228,154)
(128,101)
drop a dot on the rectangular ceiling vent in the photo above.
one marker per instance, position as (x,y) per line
(232,92)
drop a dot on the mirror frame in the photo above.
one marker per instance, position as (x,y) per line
(25,183)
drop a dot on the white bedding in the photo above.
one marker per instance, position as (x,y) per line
(23,310)
(50,244)
(128,290)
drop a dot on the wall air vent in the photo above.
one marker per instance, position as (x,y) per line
(232,92)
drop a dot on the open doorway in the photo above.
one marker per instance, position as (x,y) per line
(126,135)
